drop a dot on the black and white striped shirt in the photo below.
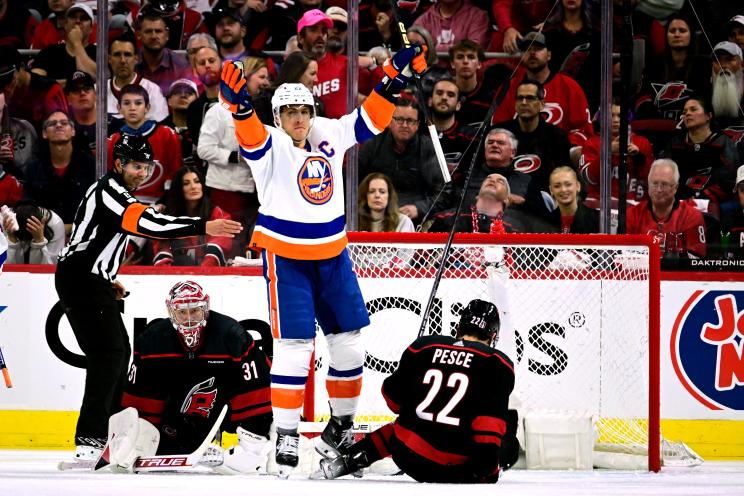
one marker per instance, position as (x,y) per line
(104,220)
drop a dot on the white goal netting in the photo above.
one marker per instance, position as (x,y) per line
(576,321)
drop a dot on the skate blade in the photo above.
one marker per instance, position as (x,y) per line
(326,450)
(76,465)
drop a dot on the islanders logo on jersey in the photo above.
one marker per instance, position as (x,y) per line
(707,348)
(315,180)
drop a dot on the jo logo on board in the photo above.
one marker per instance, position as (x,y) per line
(707,348)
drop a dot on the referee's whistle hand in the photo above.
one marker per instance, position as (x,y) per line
(223,227)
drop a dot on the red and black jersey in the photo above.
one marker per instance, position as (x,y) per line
(166,148)
(451,397)
(639,166)
(203,250)
(706,170)
(565,106)
(182,392)
(682,233)
(331,85)
(456,141)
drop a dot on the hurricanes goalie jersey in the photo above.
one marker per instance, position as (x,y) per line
(452,398)
(301,189)
(182,392)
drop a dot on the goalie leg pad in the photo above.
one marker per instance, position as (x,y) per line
(344,380)
(289,371)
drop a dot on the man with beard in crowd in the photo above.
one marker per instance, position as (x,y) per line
(229,32)
(454,137)
(728,84)
(207,69)
(312,37)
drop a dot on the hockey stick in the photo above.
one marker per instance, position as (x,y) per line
(448,246)
(179,463)
(4,368)
(423,104)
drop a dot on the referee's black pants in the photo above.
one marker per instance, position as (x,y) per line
(93,313)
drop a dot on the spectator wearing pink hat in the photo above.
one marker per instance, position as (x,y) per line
(312,38)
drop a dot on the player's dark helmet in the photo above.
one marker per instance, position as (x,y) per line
(481,319)
(133,149)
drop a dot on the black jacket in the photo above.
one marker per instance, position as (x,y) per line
(586,220)
(60,194)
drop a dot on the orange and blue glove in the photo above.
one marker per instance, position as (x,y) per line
(234,94)
(404,61)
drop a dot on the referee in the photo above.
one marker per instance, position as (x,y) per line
(86,285)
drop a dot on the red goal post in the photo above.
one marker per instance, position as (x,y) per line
(580,320)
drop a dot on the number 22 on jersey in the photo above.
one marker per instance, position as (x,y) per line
(435,378)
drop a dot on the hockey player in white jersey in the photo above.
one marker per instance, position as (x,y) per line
(300,229)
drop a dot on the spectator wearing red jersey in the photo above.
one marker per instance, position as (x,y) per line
(29,96)
(676,224)
(639,158)
(133,105)
(565,102)
(312,37)
(187,197)
(450,21)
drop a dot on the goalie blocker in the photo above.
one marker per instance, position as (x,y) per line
(185,369)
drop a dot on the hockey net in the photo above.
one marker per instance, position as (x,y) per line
(580,317)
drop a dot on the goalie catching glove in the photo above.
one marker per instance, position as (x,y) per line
(234,94)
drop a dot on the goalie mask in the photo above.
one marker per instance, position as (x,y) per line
(292,95)
(188,309)
(481,319)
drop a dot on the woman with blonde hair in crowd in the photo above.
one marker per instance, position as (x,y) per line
(256,74)
(378,206)
(570,215)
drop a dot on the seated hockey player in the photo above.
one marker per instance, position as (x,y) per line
(298,169)
(184,370)
(451,396)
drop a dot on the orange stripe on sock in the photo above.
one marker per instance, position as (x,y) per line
(344,389)
(287,398)
(273,295)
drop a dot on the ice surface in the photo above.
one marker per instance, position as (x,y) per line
(35,473)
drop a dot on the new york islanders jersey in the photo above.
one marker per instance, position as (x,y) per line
(452,398)
(301,189)
(182,392)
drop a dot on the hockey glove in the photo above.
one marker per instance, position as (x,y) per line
(233,89)
(399,67)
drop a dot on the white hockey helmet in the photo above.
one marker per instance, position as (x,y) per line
(291,94)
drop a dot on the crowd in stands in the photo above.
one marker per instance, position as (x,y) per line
(536,162)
